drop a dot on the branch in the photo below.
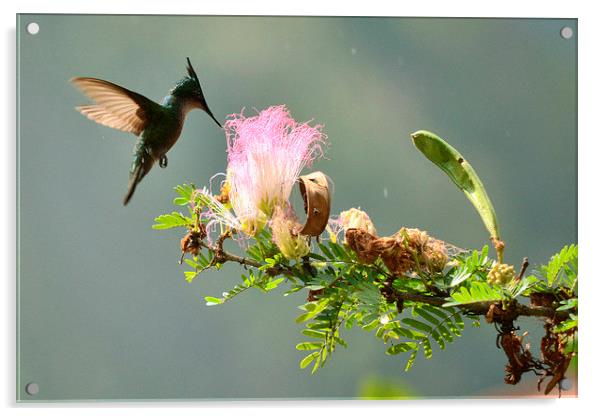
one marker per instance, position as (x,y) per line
(513,310)
(482,308)
(221,256)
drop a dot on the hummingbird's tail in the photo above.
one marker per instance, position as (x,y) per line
(142,165)
(135,178)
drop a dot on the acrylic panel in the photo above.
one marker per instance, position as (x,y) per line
(107,312)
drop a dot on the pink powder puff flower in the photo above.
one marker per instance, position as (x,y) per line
(266,154)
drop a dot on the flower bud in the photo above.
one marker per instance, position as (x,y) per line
(224,195)
(356,218)
(283,226)
(500,274)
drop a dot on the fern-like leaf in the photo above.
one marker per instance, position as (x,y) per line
(561,263)
(478,292)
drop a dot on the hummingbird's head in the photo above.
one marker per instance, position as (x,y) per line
(189,88)
(190,91)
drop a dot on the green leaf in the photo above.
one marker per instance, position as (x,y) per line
(338,251)
(308,359)
(191,263)
(326,251)
(317,363)
(566,325)
(426,316)
(340,341)
(478,292)
(318,325)
(438,338)
(452,330)
(392,325)
(523,285)
(474,260)
(458,320)
(310,306)
(185,191)
(190,275)
(273,284)
(308,346)
(568,304)
(371,325)
(313,333)
(450,161)
(461,275)
(421,326)
(292,290)
(313,308)
(445,333)
(316,256)
(564,261)
(180,200)
(570,323)
(175,219)
(213,301)
(411,360)
(484,252)
(428,350)
(401,347)
(409,333)
(441,313)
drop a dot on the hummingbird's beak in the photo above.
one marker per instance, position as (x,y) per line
(213,117)
(202,105)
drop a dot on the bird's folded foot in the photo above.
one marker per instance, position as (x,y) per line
(163,161)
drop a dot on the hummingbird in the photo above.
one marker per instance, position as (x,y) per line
(158,126)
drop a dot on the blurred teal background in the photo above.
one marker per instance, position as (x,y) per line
(104,310)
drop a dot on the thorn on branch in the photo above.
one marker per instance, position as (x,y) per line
(523,269)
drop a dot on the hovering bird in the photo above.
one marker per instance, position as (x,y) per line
(157,125)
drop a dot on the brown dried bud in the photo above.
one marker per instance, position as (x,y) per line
(410,249)
(191,242)
(360,242)
(396,257)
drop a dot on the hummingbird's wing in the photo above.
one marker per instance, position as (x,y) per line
(115,107)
